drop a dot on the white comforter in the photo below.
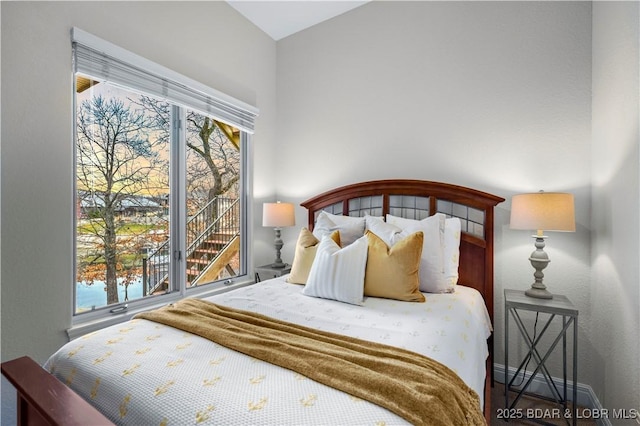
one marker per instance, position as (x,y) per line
(144,373)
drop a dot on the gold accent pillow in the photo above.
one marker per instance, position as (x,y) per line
(393,273)
(306,248)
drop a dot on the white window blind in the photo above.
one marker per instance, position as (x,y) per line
(107,62)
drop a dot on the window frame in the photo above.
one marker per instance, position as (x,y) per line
(85,322)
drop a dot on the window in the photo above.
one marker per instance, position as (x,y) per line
(161,185)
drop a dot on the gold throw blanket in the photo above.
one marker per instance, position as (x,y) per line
(415,387)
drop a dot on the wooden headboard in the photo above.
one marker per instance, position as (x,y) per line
(417,199)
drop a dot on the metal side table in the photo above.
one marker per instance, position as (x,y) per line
(516,301)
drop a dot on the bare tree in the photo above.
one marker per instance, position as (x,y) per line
(214,170)
(206,139)
(116,159)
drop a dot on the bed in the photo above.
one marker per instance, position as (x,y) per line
(147,371)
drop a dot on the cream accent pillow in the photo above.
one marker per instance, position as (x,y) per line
(393,273)
(351,228)
(305,253)
(431,265)
(338,274)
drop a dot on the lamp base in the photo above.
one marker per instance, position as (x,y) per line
(539,260)
(278,263)
(539,293)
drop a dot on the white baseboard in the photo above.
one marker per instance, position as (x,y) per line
(586,397)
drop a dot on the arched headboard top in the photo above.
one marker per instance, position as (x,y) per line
(456,193)
(417,199)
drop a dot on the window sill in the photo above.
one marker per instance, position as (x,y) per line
(82,327)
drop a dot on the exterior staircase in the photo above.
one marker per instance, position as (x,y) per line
(212,244)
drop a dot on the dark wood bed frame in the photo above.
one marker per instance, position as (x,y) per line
(44,400)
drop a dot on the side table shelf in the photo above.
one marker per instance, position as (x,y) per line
(515,302)
(266,272)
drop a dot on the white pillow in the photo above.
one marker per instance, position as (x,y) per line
(345,220)
(338,273)
(432,278)
(388,232)
(452,232)
(351,228)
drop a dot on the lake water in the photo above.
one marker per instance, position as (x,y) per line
(95,295)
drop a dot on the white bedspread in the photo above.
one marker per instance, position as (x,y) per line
(143,373)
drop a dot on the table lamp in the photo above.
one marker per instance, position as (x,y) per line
(278,215)
(542,211)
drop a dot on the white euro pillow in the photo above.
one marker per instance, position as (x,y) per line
(451,254)
(452,233)
(338,273)
(388,232)
(432,278)
(351,228)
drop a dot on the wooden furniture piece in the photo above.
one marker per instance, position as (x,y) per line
(401,196)
(559,306)
(44,400)
(266,272)
(407,198)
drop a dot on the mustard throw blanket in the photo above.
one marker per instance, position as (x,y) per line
(415,387)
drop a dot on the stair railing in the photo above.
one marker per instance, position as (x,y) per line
(219,234)
(226,223)
(155,267)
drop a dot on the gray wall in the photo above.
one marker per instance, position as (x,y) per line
(207,41)
(615,288)
(496,96)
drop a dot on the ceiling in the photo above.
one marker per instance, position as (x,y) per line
(280,19)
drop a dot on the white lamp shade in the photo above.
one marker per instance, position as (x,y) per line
(278,214)
(543,211)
